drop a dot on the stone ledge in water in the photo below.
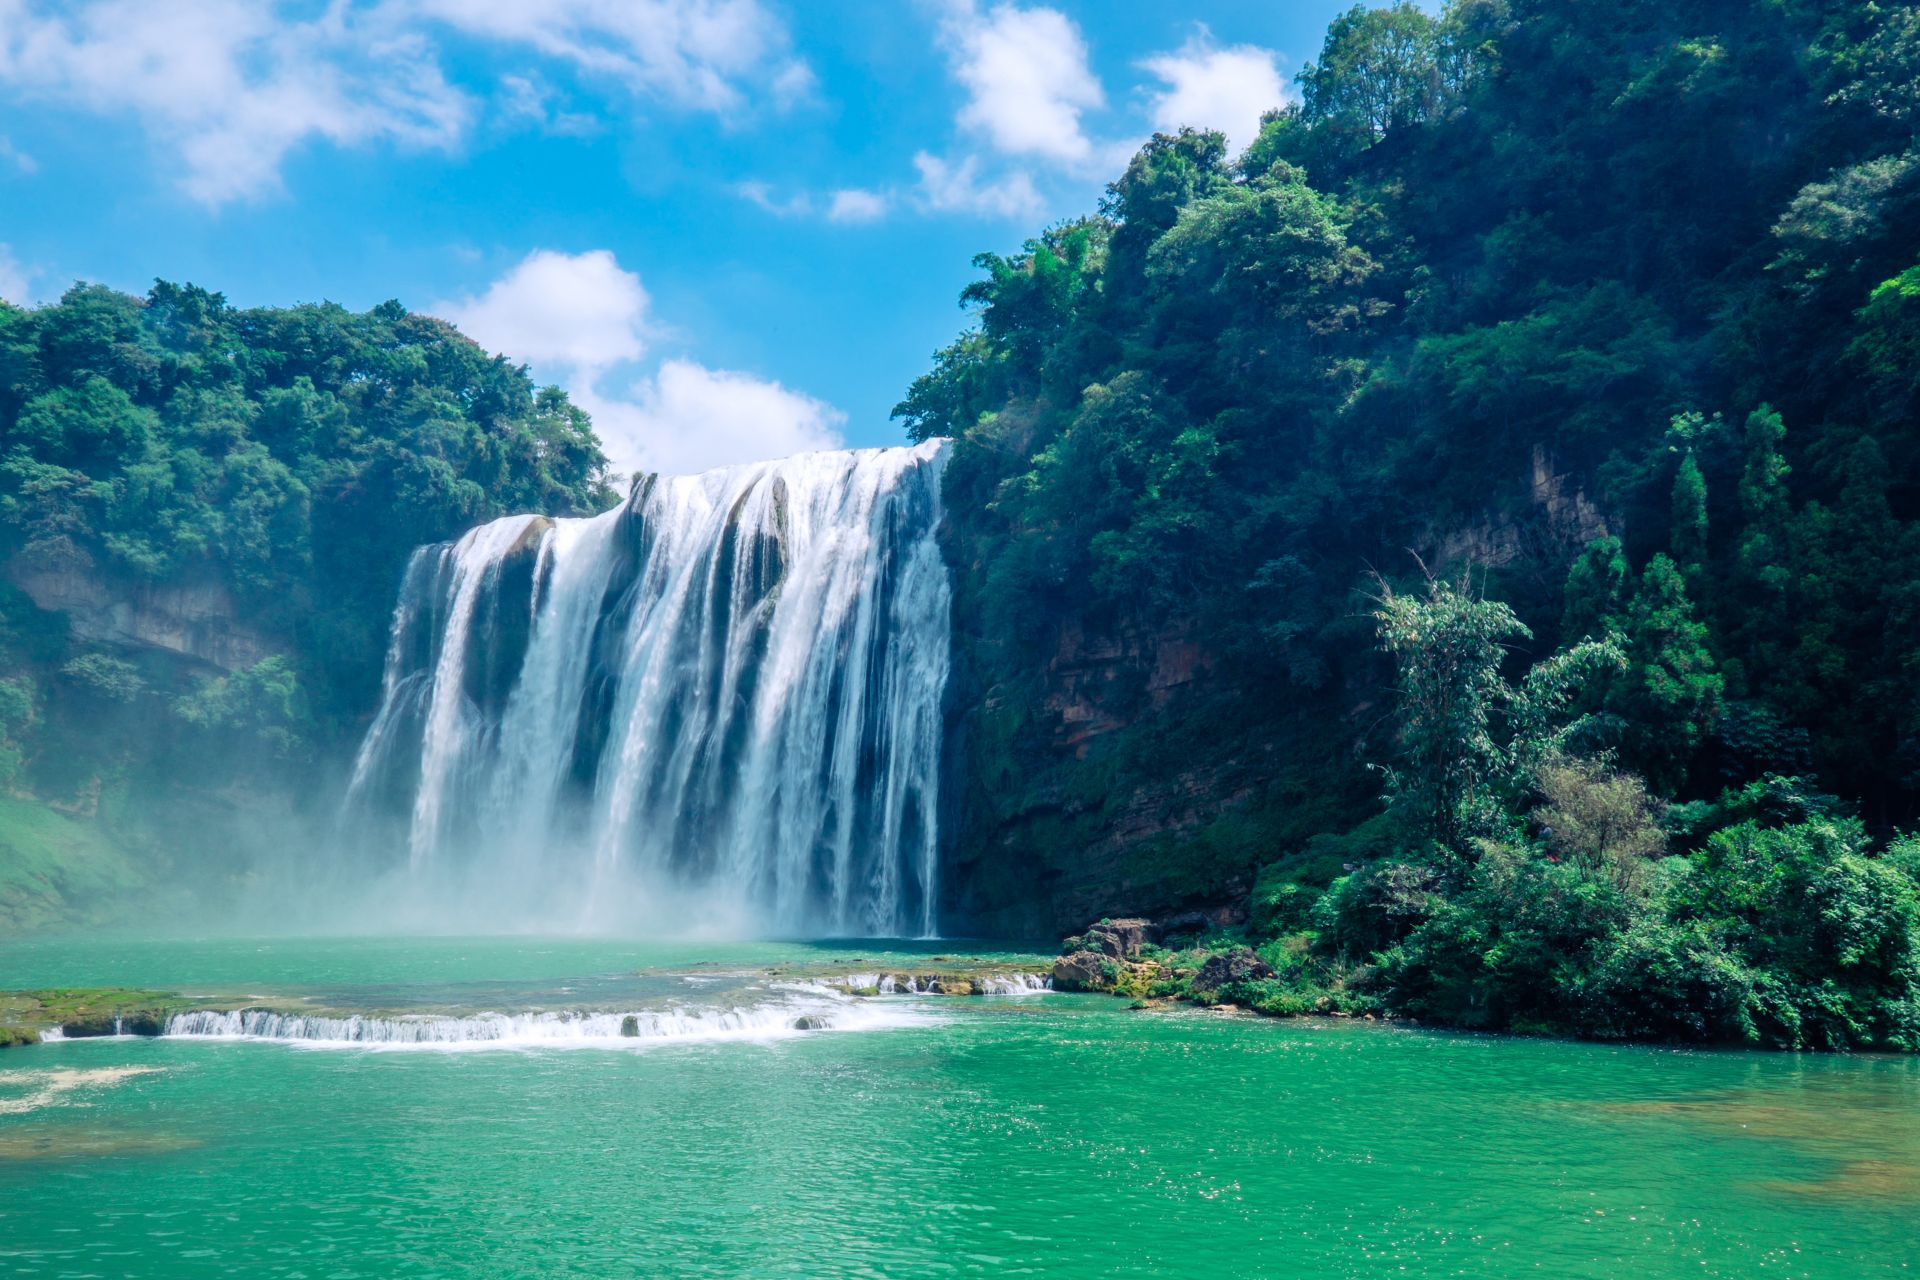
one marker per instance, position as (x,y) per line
(79,1013)
(76,1012)
(999,981)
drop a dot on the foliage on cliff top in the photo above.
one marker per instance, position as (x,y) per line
(1617,302)
(295,453)
(294,456)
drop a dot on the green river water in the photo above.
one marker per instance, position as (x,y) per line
(1036,1134)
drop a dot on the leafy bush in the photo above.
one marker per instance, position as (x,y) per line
(263,704)
(105,677)
(1600,819)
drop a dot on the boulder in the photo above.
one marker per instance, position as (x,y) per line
(1224,967)
(811,1022)
(109,1022)
(1120,939)
(1083,971)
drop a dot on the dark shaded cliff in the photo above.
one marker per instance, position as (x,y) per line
(1130,770)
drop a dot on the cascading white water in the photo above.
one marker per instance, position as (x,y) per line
(586,1029)
(728,690)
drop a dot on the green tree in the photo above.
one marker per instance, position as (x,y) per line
(1597,586)
(1670,693)
(1688,517)
(1599,818)
(1469,740)
(262,706)
(1886,347)
(1378,71)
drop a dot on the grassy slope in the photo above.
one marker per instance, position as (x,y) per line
(55,870)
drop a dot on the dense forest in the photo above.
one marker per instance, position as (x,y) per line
(247,484)
(1462,553)
(1521,442)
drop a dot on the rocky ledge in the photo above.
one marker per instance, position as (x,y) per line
(1194,958)
(81,1013)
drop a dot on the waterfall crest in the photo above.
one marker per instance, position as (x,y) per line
(727,689)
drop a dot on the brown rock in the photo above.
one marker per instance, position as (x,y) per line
(1120,939)
(1083,971)
(1237,965)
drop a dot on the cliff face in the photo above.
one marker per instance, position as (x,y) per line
(194,619)
(1083,794)
(1136,771)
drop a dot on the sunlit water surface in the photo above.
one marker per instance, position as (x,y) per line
(1042,1134)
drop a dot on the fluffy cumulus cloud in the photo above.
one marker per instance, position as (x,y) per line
(1027,79)
(230,87)
(583,311)
(687,418)
(855,205)
(585,321)
(1210,87)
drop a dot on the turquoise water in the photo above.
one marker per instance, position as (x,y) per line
(1041,1135)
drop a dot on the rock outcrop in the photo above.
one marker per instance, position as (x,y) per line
(1119,939)
(1083,971)
(1225,967)
(193,618)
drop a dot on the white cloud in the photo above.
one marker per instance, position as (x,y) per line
(530,101)
(581,311)
(688,418)
(1213,88)
(20,159)
(761,194)
(233,86)
(948,188)
(703,54)
(855,205)
(582,319)
(14,278)
(847,205)
(1027,79)
(793,84)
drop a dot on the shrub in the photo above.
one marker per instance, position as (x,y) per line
(1599,818)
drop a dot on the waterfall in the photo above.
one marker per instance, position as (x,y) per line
(727,691)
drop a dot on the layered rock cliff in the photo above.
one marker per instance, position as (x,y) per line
(192,618)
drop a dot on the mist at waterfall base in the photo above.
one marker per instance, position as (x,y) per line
(713,711)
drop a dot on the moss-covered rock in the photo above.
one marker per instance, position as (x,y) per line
(80,1012)
(1226,968)
(1085,971)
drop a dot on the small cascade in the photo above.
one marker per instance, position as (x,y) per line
(912,984)
(727,692)
(1012,984)
(549,1029)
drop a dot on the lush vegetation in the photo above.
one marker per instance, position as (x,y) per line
(1610,313)
(276,464)
(1492,500)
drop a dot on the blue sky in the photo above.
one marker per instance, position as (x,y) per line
(733,228)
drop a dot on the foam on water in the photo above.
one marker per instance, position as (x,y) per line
(558,1029)
(987,984)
